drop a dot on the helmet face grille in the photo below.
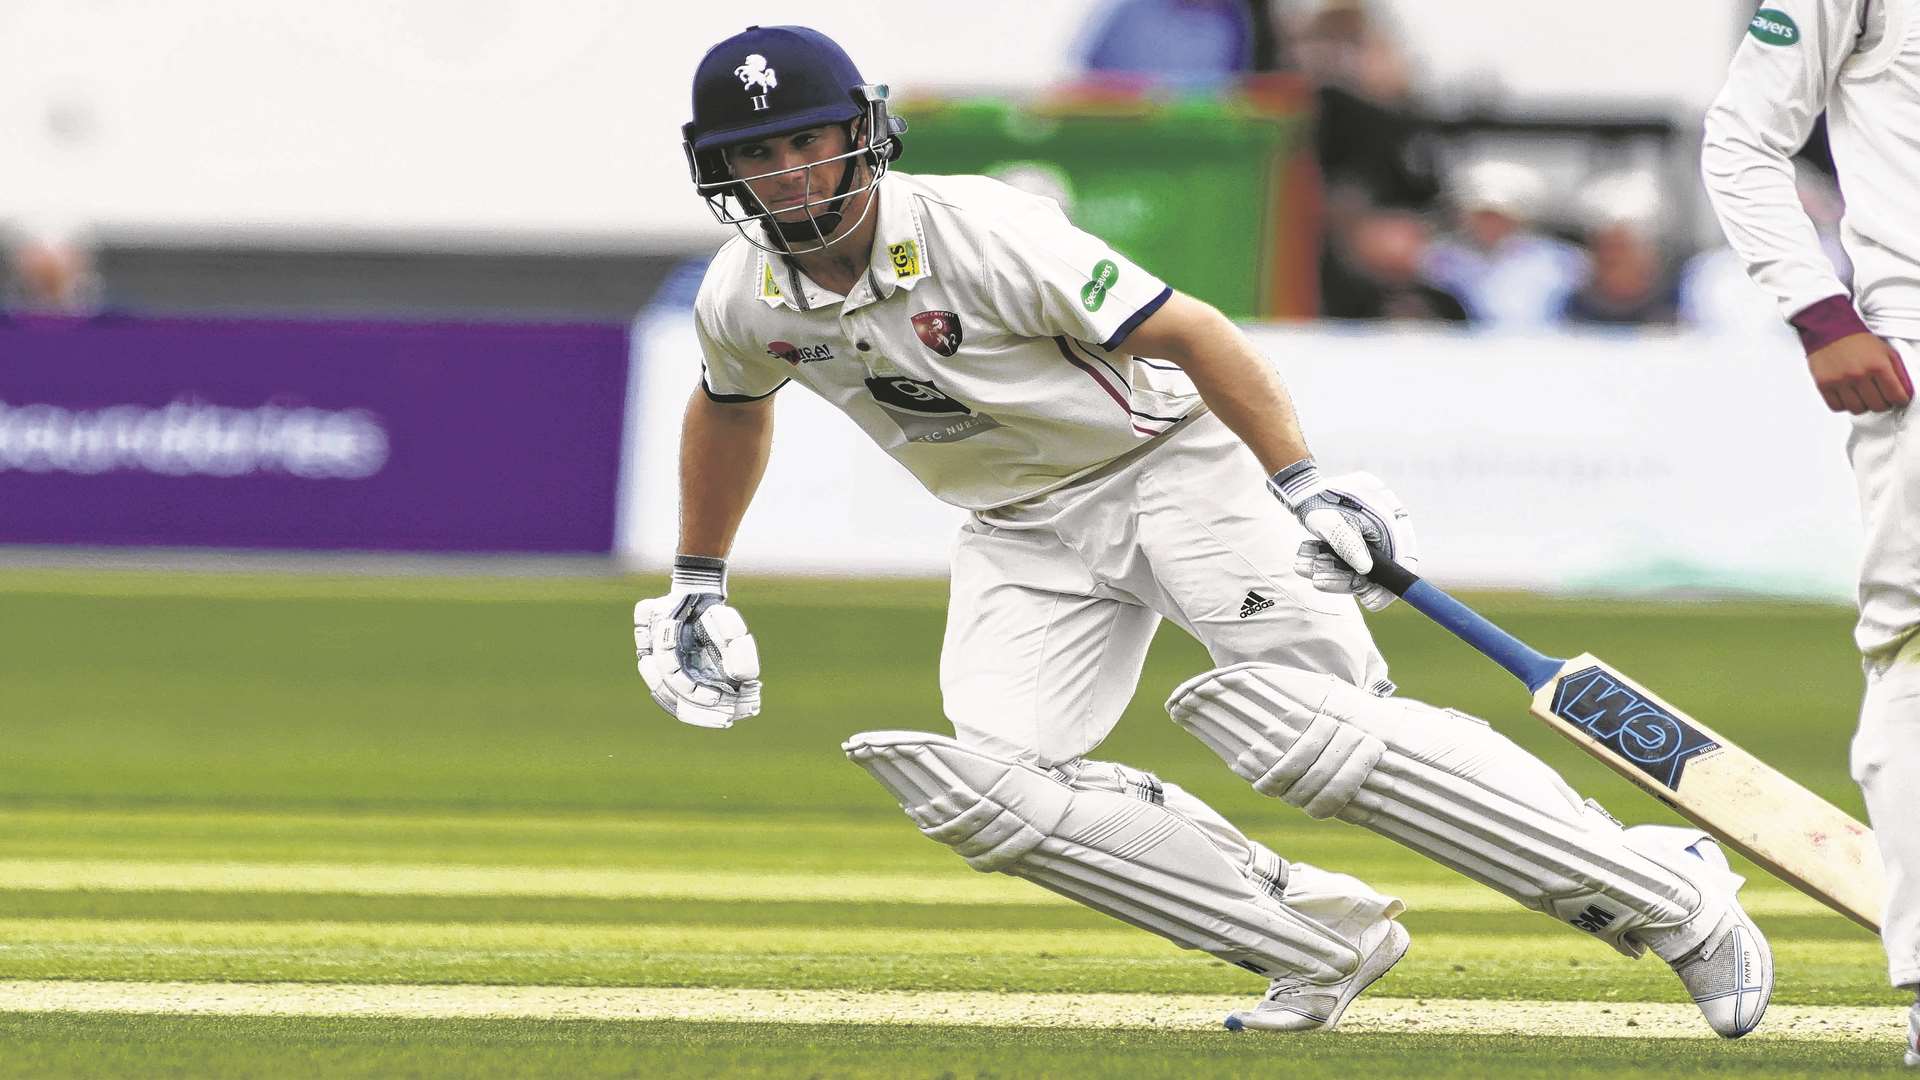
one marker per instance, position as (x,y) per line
(732,203)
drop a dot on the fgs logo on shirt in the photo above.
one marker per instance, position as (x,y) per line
(905,258)
(939,331)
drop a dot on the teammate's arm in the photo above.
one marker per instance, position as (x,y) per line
(724,447)
(1235,381)
(1776,87)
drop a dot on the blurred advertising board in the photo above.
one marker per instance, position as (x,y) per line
(310,435)
(1599,462)
(1216,191)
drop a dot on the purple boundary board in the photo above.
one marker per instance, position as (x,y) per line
(311,435)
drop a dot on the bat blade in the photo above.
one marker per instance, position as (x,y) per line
(1794,834)
(1752,807)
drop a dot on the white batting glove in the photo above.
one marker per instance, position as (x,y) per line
(1349,515)
(694,651)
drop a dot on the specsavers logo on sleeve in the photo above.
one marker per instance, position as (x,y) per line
(1774,27)
(1094,292)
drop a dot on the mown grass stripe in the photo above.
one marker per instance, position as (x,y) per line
(1551,963)
(555,910)
(621,911)
(1167,1012)
(1111,939)
(1545,947)
(391,879)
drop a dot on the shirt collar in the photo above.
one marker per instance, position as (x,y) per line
(767,286)
(900,259)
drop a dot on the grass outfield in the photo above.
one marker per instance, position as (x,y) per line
(96,1045)
(380,783)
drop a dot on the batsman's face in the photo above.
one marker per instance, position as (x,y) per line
(786,172)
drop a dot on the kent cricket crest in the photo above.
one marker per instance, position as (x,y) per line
(939,331)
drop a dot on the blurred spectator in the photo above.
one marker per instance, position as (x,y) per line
(1716,295)
(1373,157)
(1185,40)
(1628,280)
(1377,271)
(1508,275)
(1368,139)
(50,271)
(1820,196)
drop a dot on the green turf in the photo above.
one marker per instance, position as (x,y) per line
(108,1045)
(1535,960)
(1044,914)
(411,696)
(461,780)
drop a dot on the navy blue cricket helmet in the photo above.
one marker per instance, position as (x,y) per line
(773,80)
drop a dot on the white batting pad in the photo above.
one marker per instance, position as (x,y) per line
(1118,853)
(1446,785)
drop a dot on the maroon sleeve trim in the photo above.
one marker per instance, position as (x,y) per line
(1827,321)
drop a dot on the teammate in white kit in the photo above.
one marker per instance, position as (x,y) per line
(1860,61)
(1115,441)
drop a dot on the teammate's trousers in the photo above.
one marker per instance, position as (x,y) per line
(1056,599)
(1885,451)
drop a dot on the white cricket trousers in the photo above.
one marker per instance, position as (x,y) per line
(1056,599)
(1885,451)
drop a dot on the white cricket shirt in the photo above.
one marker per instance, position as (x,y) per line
(1860,61)
(983,349)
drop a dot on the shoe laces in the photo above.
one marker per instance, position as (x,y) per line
(1285,988)
(1720,936)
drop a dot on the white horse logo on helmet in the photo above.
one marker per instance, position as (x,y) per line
(756,73)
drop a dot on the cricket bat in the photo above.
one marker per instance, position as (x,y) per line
(1747,804)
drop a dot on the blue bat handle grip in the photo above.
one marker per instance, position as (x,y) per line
(1521,660)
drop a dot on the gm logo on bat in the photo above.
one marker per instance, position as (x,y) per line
(1652,739)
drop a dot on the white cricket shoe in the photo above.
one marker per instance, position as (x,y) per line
(1292,1005)
(1730,973)
(1913,1035)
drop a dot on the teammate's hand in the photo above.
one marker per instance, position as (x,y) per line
(1347,515)
(694,651)
(1860,373)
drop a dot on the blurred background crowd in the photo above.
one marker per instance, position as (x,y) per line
(1524,217)
(1356,188)
(454,242)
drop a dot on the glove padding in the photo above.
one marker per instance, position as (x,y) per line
(1351,516)
(697,658)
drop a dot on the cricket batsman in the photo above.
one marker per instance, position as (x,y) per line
(1859,60)
(1126,456)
